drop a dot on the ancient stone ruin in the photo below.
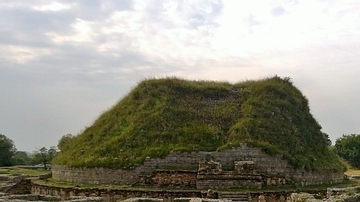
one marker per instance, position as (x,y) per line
(211,175)
(238,167)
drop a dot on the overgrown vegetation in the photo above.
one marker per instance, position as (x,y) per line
(348,147)
(7,150)
(163,115)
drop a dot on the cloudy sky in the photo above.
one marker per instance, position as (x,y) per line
(62,63)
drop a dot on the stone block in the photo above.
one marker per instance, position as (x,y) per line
(263,162)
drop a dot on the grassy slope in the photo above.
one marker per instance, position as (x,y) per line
(163,115)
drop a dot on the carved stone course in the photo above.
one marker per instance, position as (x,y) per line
(242,162)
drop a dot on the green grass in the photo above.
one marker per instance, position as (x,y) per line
(163,115)
(17,171)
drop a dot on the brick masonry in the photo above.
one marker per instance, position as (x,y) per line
(111,195)
(267,165)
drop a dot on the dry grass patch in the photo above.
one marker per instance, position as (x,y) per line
(353,172)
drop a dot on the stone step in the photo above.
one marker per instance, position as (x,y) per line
(235,197)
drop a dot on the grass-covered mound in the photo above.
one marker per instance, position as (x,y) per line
(163,115)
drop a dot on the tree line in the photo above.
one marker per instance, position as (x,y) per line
(10,156)
(347,147)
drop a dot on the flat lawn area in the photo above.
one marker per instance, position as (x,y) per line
(16,170)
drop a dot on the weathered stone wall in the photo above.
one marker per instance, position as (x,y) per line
(175,179)
(266,164)
(228,180)
(110,195)
(330,194)
(22,187)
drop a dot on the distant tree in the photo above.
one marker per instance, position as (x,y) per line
(64,141)
(7,150)
(36,158)
(44,156)
(21,158)
(327,139)
(348,147)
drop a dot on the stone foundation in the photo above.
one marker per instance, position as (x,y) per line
(172,179)
(228,181)
(274,169)
(111,195)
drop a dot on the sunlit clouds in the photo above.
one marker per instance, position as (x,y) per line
(65,62)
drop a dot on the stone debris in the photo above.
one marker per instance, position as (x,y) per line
(303,197)
(333,195)
(45,176)
(34,197)
(348,194)
(11,179)
(199,200)
(143,200)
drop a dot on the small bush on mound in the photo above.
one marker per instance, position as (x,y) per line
(163,115)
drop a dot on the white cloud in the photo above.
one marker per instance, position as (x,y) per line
(82,32)
(99,49)
(54,6)
(21,54)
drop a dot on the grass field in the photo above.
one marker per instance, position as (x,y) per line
(17,171)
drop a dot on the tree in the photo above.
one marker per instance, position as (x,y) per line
(327,139)
(44,156)
(64,141)
(21,158)
(7,150)
(348,147)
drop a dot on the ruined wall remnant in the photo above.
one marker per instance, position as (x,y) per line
(211,176)
(242,160)
(209,167)
(110,194)
(169,179)
(245,167)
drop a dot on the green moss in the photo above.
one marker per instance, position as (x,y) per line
(163,115)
